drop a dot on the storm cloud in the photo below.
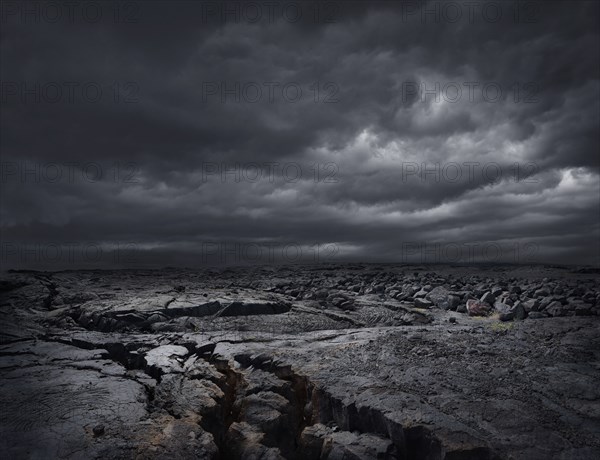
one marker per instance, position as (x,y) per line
(184,133)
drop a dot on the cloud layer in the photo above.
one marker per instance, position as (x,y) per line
(392,131)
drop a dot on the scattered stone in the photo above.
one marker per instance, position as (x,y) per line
(582,309)
(442,298)
(518,311)
(497,291)
(531,305)
(556,308)
(502,308)
(542,292)
(507,316)
(421,294)
(423,303)
(410,291)
(488,297)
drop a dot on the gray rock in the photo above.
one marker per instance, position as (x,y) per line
(347,305)
(581,309)
(556,309)
(379,288)
(488,297)
(166,359)
(442,298)
(507,316)
(516,289)
(531,305)
(542,292)
(423,303)
(421,294)
(502,308)
(497,291)
(545,302)
(312,439)
(410,291)
(518,311)
(321,294)
(156,318)
(246,441)
(480,289)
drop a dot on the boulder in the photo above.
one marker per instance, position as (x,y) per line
(488,297)
(423,303)
(556,308)
(442,298)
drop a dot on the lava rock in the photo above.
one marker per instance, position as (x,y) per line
(542,292)
(556,308)
(423,303)
(442,298)
(516,289)
(421,294)
(488,297)
(502,308)
(508,316)
(165,359)
(518,311)
(497,291)
(531,305)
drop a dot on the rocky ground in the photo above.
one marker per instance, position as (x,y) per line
(325,362)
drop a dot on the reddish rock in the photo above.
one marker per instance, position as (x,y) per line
(478,308)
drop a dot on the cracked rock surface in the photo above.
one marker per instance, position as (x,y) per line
(305,362)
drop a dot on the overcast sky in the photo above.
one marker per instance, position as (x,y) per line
(183,133)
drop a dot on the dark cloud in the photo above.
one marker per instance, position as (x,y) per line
(411,128)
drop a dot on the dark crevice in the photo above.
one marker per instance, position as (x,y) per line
(316,405)
(307,406)
(229,409)
(313,405)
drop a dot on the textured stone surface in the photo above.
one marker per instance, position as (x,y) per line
(301,363)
